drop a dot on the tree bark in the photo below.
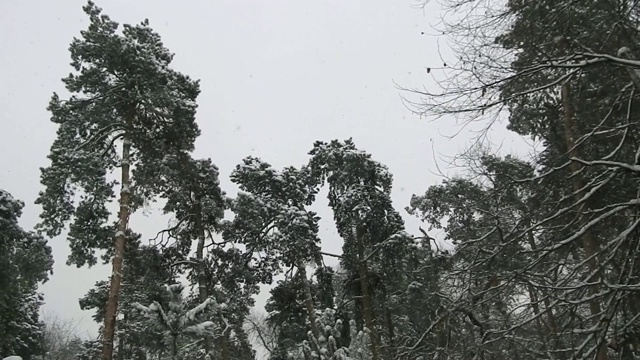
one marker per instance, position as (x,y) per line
(111,311)
(202,277)
(224,347)
(120,354)
(174,347)
(203,285)
(308,299)
(591,246)
(367,305)
(391,350)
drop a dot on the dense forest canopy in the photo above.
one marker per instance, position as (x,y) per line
(539,253)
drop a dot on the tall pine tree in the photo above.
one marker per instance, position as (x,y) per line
(272,219)
(373,232)
(193,194)
(128,111)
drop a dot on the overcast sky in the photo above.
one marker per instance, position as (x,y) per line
(275,77)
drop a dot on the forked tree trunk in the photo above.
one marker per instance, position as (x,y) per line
(591,246)
(222,341)
(111,310)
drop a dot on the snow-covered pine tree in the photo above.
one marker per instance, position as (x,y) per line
(146,271)
(128,110)
(373,232)
(287,316)
(25,262)
(194,198)
(178,321)
(90,350)
(288,319)
(325,346)
(272,219)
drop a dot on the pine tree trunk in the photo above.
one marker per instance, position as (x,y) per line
(111,310)
(222,342)
(390,353)
(202,277)
(174,347)
(203,291)
(591,246)
(443,334)
(224,347)
(121,353)
(203,284)
(308,299)
(366,296)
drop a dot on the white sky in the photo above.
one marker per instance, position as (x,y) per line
(275,77)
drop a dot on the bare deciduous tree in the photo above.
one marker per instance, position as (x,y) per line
(260,333)
(61,337)
(564,73)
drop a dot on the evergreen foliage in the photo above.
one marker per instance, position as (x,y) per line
(539,256)
(25,262)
